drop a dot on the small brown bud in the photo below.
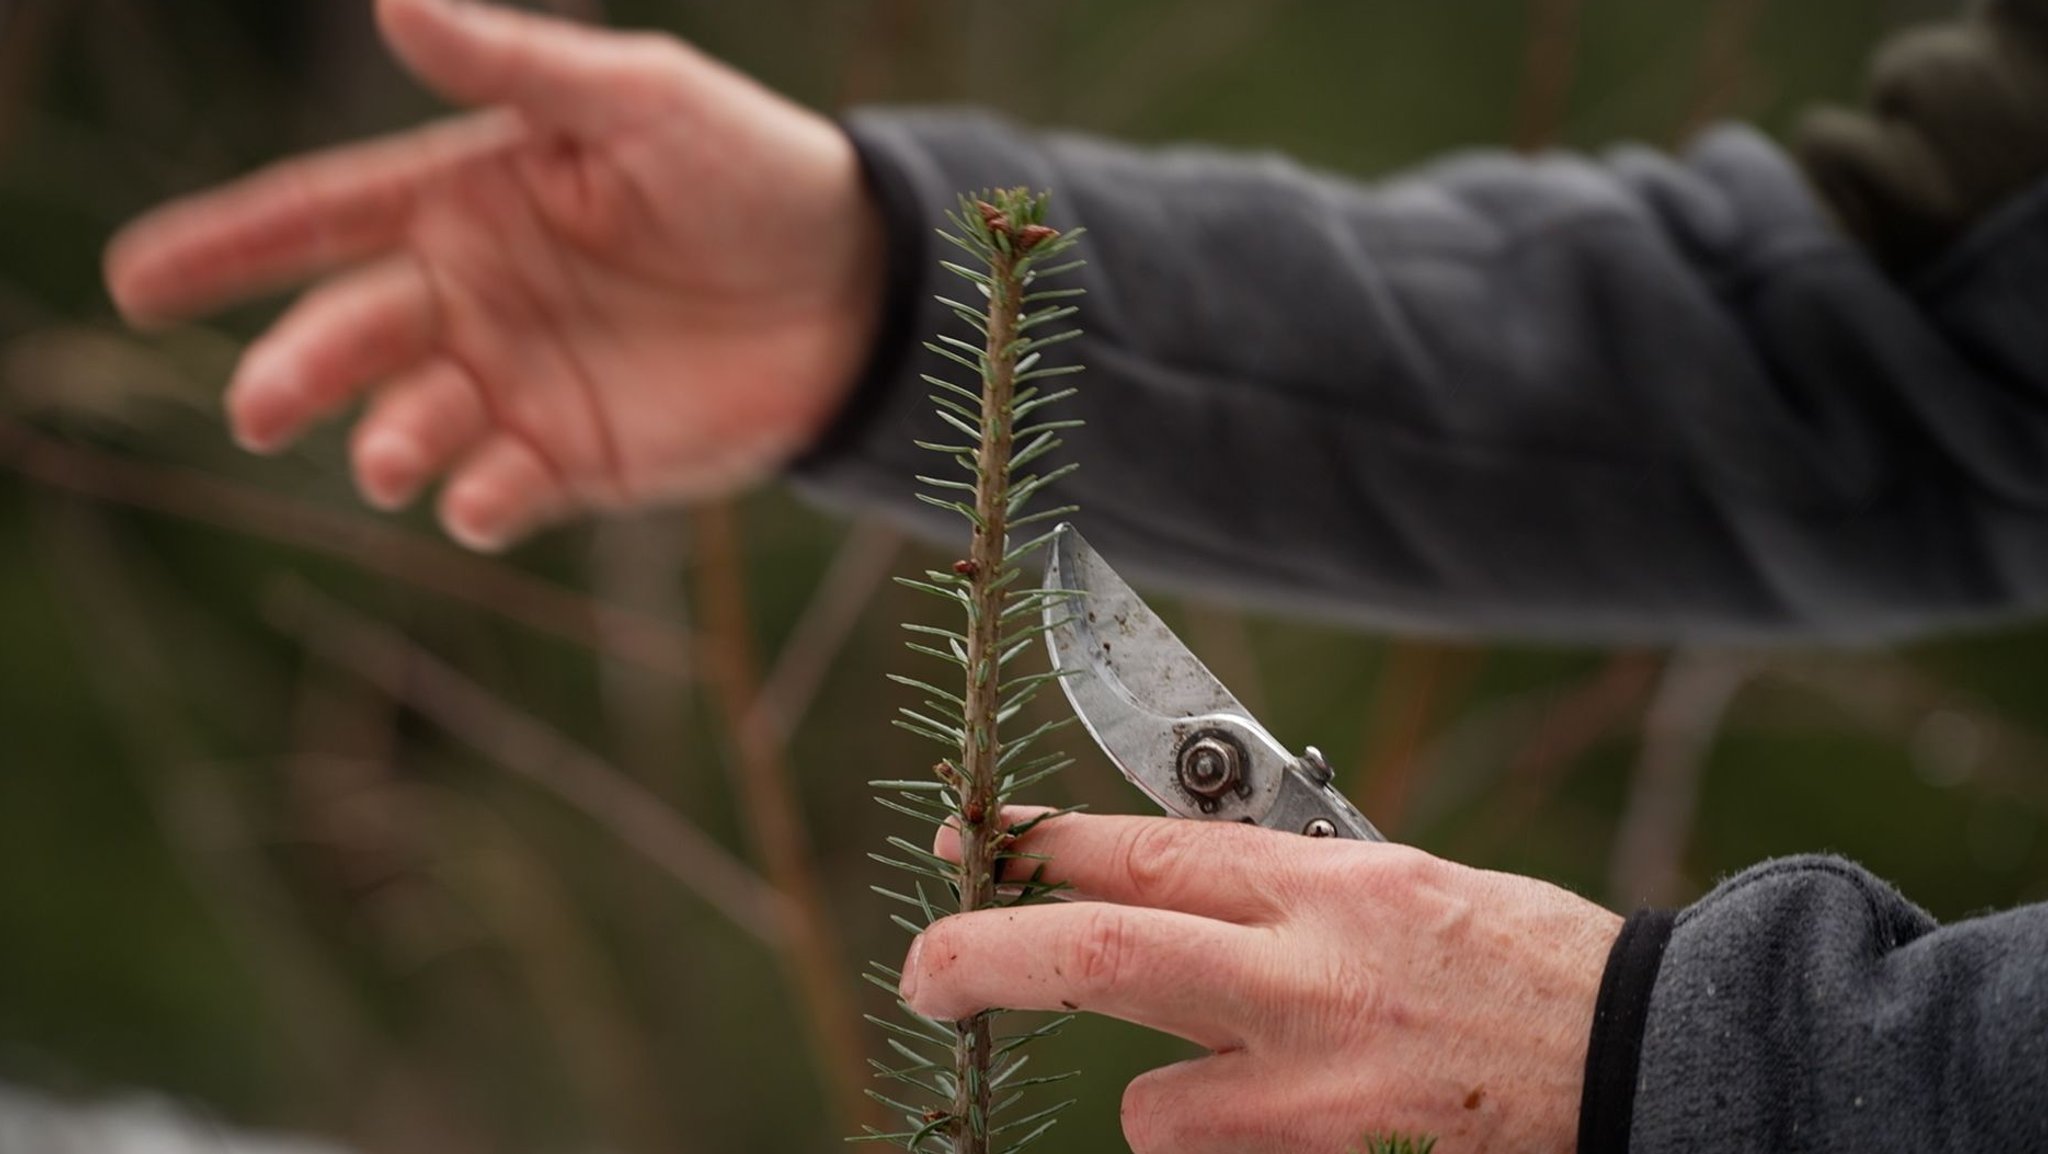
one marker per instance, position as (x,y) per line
(1034,235)
(995,218)
(967,568)
(974,812)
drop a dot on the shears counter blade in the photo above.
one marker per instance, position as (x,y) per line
(1164,719)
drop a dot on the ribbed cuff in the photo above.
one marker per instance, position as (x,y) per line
(1614,1053)
(904,234)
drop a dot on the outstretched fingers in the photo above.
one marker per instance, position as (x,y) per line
(416,425)
(361,327)
(502,491)
(1185,975)
(291,221)
(555,71)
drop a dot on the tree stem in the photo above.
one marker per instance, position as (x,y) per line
(980,833)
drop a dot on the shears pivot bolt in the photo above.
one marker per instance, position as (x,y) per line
(1210,766)
(1320,827)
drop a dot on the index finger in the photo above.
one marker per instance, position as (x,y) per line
(1191,977)
(292,220)
(1222,870)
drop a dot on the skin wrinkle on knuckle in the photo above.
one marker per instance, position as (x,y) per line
(1096,956)
(1150,856)
(1398,879)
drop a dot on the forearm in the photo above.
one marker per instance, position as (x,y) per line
(1805,1005)
(1629,400)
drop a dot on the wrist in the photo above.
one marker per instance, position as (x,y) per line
(1533,999)
(881,300)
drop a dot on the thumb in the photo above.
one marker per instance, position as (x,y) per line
(553,70)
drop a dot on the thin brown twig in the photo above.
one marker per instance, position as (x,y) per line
(1582,719)
(390,552)
(637,563)
(1694,693)
(812,953)
(523,745)
(1567,729)
(1420,682)
(857,572)
(26,27)
(1678,735)
(1549,65)
(877,49)
(1724,56)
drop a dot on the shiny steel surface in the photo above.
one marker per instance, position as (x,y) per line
(1165,720)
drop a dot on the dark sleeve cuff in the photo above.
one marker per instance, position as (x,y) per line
(905,234)
(1615,1051)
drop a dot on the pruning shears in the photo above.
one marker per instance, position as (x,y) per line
(1165,720)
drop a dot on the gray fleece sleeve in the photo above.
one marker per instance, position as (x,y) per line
(1805,1006)
(1631,399)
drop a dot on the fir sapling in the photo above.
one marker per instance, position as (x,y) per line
(959,1086)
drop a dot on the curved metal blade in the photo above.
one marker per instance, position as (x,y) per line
(1139,691)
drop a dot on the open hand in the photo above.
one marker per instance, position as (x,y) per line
(634,276)
(1344,988)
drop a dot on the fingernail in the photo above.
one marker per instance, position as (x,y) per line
(387,468)
(473,516)
(257,434)
(908,987)
(477,539)
(245,441)
(260,405)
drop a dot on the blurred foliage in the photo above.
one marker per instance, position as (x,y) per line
(234,871)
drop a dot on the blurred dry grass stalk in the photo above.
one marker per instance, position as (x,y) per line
(360,818)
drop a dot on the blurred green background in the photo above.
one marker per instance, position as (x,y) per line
(257,853)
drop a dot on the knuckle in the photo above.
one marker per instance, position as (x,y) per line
(1400,870)
(1097,955)
(1150,855)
